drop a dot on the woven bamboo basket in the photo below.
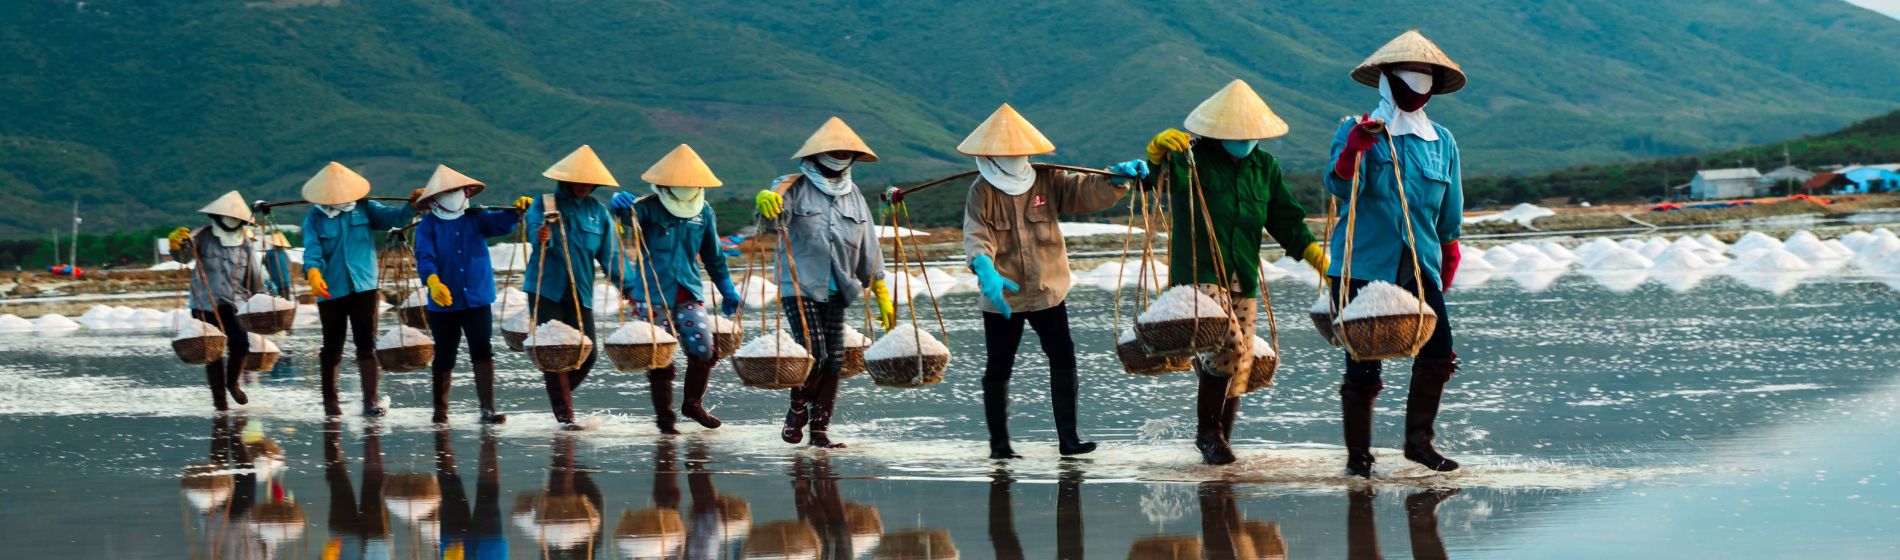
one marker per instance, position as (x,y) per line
(516,341)
(862,519)
(206,486)
(561,358)
(782,539)
(1268,544)
(650,533)
(916,545)
(908,371)
(1264,368)
(735,517)
(782,372)
(268,322)
(641,357)
(1166,548)
(1181,337)
(725,344)
(1327,325)
(404,359)
(277,523)
(1387,336)
(853,362)
(261,361)
(565,521)
(199,350)
(1135,360)
(414,317)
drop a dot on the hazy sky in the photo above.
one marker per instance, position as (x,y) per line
(1889,7)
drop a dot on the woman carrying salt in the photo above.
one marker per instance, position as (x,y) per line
(679,234)
(832,253)
(225,275)
(1015,247)
(586,234)
(452,257)
(1224,184)
(1408,71)
(339,259)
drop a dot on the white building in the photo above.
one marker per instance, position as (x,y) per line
(1716,184)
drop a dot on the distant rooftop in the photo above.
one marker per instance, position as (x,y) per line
(1728,174)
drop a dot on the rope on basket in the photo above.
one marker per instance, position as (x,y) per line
(573,290)
(198,273)
(1352,215)
(902,209)
(642,256)
(521,225)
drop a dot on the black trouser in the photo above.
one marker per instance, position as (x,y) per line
(356,313)
(448,328)
(237,341)
(1438,346)
(1001,338)
(819,395)
(583,318)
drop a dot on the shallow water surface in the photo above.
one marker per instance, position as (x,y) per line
(1594,419)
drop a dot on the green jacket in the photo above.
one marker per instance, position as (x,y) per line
(1242,197)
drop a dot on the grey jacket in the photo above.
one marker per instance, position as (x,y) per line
(833,244)
(224,275)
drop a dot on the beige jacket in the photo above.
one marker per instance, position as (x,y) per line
(1022,235)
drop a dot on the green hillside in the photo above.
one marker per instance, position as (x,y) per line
(144,110)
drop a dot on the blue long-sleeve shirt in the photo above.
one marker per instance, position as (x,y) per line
(457,251)
(1434,188)
(277,272)
(342,247)
(588,230)
(675,248)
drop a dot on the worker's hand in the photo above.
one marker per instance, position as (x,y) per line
(318,287)
(886,312)
(522,203)
(1315,257)
(992,283)
(1132,168)
(729,298)
(1449,256)
(1362,137)
(1167,142)
(541,235)
(438,292)
(178,238)
(415,196)
(769,203)
(621,202)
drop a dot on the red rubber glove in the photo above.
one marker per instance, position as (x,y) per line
(1360,139)
(1449,255)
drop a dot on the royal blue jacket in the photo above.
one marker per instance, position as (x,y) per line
(457,251)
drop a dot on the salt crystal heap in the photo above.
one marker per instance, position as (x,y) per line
(555,333)
(1261,349)
(518,322)
(54,322)
(1617,259)
(1534,262)
(1557,252)
(855,339)
(906,341)
(724,325)
(417,298)
(265,303)
(778,344)
(1678,259)
(1754,241)
(13,323)
(193,328)
(1770,261)
(1182,302)
(1382,299)
(641,332)
(1500,257)
(403,337)
(1809,248)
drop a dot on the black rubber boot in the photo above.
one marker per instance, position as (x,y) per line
(214,378)
(485,392)
(439,390)
(996,416)
(796,417)
(233,379)
(698,375)
(560,401)
(660,387)
(1429,376)
(372,377)
(1210,407)
(1063,394)
(824,402)
(1421,516)
(1355,406)
(327,370)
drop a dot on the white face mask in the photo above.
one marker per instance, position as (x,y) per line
(228,230)
(332,210)
(449,205)
(681,202)
(1399,122)
(1013,175)
(836,164)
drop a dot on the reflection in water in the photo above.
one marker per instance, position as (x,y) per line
(1225,535)
(471,532)
(359,527)
(565,515)
(845,529)
(223,490)
(1421,513)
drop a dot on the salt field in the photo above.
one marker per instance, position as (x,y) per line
(1659,396)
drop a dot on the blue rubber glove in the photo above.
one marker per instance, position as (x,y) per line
(992,283)
(622,202)
(729,299)
(1133,168)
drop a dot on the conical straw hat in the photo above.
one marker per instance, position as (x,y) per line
(835,136)
(445,180)
(278,240)
(681,168)
(583,167)
(335,184)
(1235,113)
(231,205)
(1006,133)
(1410,46)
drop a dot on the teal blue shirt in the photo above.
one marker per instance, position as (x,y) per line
(588,230)
(1434,187)
(675,247)
(342,247)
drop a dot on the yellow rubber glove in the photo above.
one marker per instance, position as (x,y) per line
(438,292)
(523,203)
(1315,257)
(318,287)
(1168,141)
(178,238)
(769,203)
(886,312)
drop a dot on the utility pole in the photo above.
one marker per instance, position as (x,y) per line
(75,252)
(55,245)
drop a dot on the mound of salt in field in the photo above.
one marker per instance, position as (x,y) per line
(1677,258)
(1618,259)
(1809,248)
(1534,262)
(1711,242)
(778,344)
(906,341)
(13,323)
(54,322)
(1522,214)
(1524,250)
(756,291)
(1654,246)
(1468,263)
(1594,247)
(1754,241)
(1772,261)
(1557,252)
(641,332)
(1500,257)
